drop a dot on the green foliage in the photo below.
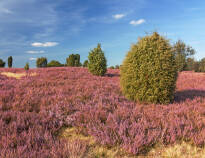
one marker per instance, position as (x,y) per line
(73,60)
(2,63)
(181,62)
(201,66)
(191,65)
(41,62)
(97,63)
(196,66)
(10,61)
(117,66)
(112,67)
(54,63)
(148,73)
(85,64)
(70,61)
(26,67)
(77,60)
(182,52)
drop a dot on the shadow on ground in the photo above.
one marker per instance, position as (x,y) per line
(181,96)
(112,75)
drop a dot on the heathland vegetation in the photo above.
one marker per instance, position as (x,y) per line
(145,107)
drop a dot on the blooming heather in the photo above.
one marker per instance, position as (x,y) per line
(34,109)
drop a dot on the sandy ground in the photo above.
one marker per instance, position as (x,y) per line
(17,75)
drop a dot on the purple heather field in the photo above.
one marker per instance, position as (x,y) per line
(33,109)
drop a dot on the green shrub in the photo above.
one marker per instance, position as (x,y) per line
(112,67)
(54,63)
(149,73)
(201,65)
(26,67)
(117,66)
(97,63)
(10,61)
(2,63)
(191,65)
(73,60)
(85,64)
(77,60)
(70,61)
(41,62)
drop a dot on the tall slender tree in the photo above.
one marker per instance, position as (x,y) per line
(10,61)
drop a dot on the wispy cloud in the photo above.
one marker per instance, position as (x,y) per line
(5,11)
(46,44)
(137,22)
(118,16)
(194,9)
(35,52)
(33,59)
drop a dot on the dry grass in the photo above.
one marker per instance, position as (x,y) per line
(181,150)
(17,75)
(95,150)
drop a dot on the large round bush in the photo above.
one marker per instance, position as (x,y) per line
(97,63)
(148,73)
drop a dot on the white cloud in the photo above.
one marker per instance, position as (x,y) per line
(118,16)
(35,52)
(46,44)
(137,22)
(5,10)
(32,59)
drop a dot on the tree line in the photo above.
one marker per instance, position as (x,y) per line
(183,57)
(10,62)
(73,60)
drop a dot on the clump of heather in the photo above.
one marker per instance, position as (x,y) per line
(34,108)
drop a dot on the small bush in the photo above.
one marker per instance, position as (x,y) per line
(54,63)
(112,67)
(149,72)
(85,64)
(97,63)
(117,66)
(201,65)
(2,63)
(26,67)
(41,62)
(10,61)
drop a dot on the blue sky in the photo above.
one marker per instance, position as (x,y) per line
(56,28)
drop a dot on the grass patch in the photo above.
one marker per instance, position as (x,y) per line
(95,150)
(181,150)
(17,75)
